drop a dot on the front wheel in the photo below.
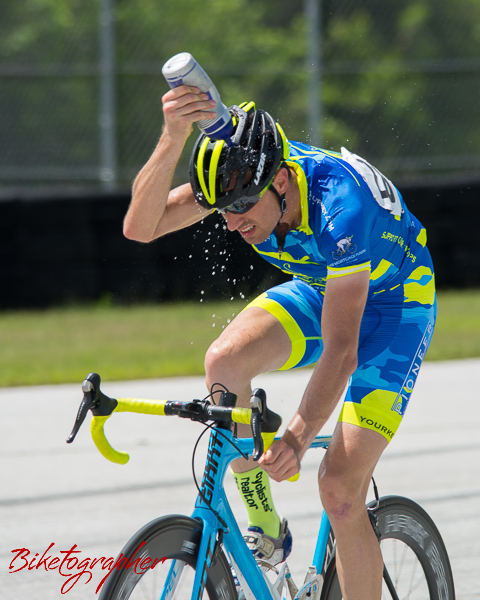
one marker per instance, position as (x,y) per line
(171,544)
(416,564)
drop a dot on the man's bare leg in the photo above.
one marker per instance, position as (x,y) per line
(344,478)
(255,342)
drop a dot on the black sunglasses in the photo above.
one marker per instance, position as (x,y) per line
(241,205)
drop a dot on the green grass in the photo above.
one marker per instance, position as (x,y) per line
(457,332)
(62,345)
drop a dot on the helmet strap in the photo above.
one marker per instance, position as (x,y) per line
(281,229)
(281,199)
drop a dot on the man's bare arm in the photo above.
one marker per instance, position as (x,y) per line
(155,209)
(343,307)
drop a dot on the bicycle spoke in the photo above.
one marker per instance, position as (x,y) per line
(154,580)
(170,543)
(401,561)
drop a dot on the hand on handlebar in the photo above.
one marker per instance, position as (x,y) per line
(280,462)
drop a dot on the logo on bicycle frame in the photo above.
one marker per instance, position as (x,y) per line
(343,246)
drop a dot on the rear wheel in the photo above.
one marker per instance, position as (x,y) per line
(414,555)
(173,543)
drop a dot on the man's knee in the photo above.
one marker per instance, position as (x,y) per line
(340,497)
(218,357)
(230,359)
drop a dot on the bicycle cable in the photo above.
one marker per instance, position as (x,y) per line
(212,392)
(200,493)
(377,497)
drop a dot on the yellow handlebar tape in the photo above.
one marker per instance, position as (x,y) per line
(139,405)
(101,442)
(157,407)
(136,405)
(267,442)
(242,415)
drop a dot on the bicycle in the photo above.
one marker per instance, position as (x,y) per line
(350,248)
(206,551)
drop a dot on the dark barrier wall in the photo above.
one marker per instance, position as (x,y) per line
(62,250)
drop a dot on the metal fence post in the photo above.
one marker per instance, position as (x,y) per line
(107,116)
(313,64)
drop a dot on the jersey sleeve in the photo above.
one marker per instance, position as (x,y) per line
(346,227)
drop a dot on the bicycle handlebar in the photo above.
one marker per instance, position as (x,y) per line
(264,422)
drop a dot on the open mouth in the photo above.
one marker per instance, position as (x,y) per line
(247,231)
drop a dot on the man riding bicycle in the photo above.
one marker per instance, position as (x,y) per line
(365,319)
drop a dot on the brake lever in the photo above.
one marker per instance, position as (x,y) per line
(94,400)
(85,406)
(257,404)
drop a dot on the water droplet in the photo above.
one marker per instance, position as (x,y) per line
(202,292)
(251,267)
(213,316)
(201,299)
(241,295)
(190,256)
(213,324)
(228,321)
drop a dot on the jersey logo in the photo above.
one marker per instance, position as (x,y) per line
(343,246)
(261,164)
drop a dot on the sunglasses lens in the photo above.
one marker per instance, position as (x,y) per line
(242,205)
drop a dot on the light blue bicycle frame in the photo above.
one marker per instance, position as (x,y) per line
(220,454)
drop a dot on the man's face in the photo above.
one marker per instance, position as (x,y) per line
(256,225)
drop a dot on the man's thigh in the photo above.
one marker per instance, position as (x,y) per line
(254,342)
(297,306)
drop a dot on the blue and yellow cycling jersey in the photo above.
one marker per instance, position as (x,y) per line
(353,219)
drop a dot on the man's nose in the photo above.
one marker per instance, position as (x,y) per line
(233,220)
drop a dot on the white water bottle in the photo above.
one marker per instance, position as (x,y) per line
(183,69)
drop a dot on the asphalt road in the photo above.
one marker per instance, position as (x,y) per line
(51,492)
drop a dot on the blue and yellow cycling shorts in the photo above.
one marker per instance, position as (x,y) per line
(395,333)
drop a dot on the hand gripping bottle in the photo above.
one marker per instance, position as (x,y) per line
(183,69)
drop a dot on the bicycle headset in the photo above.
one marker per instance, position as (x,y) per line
(233,175)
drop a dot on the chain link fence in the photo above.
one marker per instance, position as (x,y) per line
(81,83)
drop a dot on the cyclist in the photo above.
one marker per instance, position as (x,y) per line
(365,319)
(343,244)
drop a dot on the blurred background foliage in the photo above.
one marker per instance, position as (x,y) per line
(399,81)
